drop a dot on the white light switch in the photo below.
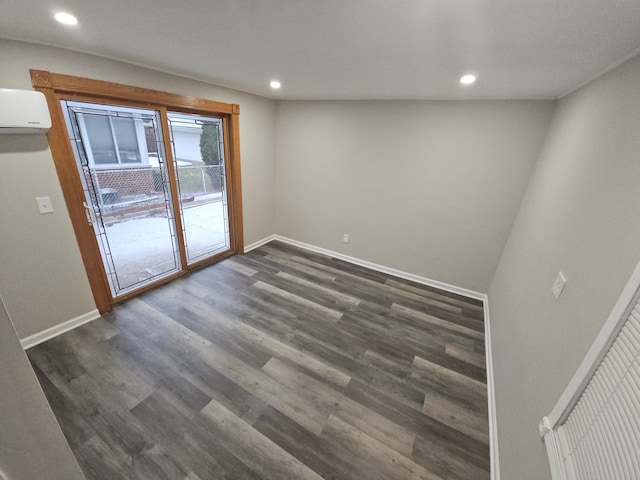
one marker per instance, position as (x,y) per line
(44,205)
(558,285)
(345,238)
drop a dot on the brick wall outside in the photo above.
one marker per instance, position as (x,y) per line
(127,181)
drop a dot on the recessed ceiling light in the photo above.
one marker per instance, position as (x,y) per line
(468,79)
(66,18)
(275,84)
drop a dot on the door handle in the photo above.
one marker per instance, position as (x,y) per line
(90,213)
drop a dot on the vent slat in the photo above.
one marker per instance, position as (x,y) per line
(626,405)
(617,419)
(614,435)
(601,436)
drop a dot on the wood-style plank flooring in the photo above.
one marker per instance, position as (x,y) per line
(280,364)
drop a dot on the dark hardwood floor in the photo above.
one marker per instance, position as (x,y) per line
(280,364)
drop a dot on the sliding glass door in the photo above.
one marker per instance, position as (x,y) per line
(157,206)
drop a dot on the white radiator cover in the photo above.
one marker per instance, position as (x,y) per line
(593,431)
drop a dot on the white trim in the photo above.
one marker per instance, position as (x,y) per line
(598,350)
(49,333)
(259,243)
(491,396)
(552,443)
(381,268)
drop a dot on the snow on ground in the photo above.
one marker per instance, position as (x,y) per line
(142,247)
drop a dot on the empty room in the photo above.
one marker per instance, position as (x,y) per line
(320,240)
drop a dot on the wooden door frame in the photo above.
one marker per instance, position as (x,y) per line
(56,86)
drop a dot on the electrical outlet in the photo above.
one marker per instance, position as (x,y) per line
(558,285)
(345,238)
(44,205)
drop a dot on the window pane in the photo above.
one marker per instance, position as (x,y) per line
(125,132)
(100,139)
(198,153)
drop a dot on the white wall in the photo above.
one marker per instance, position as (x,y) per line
(579,215)
(31,443)
(430,188)
(41,272)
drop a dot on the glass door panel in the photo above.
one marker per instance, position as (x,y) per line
(127,191)
(198,152)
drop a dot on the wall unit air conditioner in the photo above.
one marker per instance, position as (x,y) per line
(23,111)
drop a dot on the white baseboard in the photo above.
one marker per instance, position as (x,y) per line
(259,243)
(493,426)
(381,268)
(49,333)
(491,396)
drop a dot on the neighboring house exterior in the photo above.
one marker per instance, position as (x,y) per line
(122,152)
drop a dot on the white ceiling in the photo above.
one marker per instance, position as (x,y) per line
(344,49)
